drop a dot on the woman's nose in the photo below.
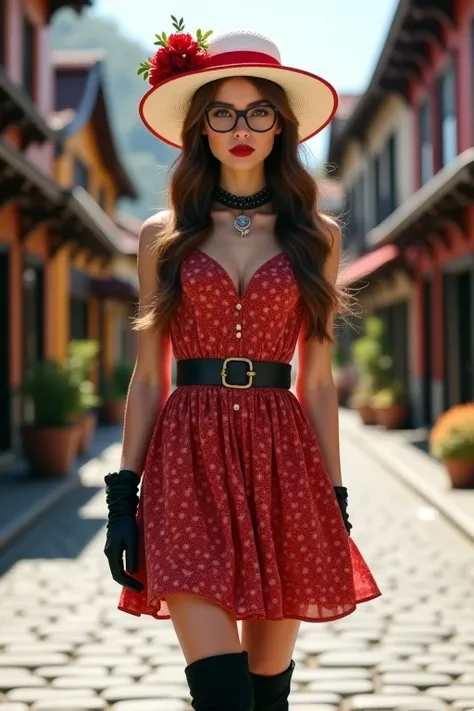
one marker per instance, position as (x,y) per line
(241,130)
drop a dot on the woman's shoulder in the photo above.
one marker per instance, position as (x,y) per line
(152,227)
(157,221)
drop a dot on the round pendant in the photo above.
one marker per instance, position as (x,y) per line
(242,224)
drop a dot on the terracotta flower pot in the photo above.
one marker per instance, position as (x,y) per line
(87,425)
(461,472)
(50,450)
(342,392)
(393,417)
(115,411)
(366,414)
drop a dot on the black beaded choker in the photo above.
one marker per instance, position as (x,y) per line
(243,223)
(243,202)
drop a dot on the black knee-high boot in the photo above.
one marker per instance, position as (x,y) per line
(221,683)
(271,692)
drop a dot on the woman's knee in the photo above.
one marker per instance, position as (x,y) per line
(270,645)
(203,628)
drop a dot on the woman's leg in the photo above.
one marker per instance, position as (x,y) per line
(270,648)
(217,668)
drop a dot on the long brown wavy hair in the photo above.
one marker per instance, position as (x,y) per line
(300,228)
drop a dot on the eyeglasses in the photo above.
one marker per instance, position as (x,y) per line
(223,119)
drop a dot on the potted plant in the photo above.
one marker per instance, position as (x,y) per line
(389,406)
(117,390)
(50,438)
(367,353)
(361,401)
(81,358)
(452,442)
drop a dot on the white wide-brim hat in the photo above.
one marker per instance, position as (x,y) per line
(238,53)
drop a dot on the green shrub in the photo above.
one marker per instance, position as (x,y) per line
(53,394)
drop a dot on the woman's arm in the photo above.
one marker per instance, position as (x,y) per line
(315,387)
(150,384)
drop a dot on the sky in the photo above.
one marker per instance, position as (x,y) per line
(337,39)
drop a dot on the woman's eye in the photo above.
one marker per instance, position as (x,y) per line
(221,113)
(260,112)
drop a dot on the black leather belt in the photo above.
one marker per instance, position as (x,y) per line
(233,373)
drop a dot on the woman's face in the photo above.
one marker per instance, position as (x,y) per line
(230,147)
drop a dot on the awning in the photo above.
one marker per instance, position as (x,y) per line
(91,216)
(114,288)
(440,201)
(368,264)
(17,109)
(23,183)
(73,215)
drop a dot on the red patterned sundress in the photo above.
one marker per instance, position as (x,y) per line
(236,504)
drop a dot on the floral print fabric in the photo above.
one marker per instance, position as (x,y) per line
(236,504)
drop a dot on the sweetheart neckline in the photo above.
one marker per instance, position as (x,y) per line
(229,278)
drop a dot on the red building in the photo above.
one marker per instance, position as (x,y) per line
(428,59)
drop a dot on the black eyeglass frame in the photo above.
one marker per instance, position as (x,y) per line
(243,113)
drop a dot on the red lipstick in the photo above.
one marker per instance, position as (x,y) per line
(241,151)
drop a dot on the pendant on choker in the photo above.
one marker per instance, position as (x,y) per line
(242,224)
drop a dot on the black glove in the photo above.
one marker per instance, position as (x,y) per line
(341,496)
(122,529)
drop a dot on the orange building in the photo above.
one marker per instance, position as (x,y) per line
(55,239)
(101,291)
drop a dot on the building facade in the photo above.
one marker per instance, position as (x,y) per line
(52,230)
(411,233)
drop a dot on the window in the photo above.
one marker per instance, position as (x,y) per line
(29,56)
(426,142)
(357,219)
(447,112)
(33,302)
(386,181)
(78,319)
(81,174)
(472,79)
(3,34)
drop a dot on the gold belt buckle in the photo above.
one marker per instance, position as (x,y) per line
(251,373)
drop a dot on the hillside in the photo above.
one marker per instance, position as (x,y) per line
(145,156)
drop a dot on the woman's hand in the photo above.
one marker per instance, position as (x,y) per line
(341,496)
(122,529)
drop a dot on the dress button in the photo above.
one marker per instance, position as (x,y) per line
(236,406)
(238,306)
(238,326)
(238,334)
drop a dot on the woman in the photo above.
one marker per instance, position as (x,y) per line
(238,518)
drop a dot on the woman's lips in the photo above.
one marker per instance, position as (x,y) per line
(242,151)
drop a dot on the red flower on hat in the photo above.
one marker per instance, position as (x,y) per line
(179,53)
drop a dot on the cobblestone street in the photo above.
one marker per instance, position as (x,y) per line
(65,647)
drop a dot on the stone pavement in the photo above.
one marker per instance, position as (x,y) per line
(404,453)
(24,498)
(65,647)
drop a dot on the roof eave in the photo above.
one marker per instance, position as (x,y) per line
(416,23)
(458,172)
(93,94)
(21,111)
